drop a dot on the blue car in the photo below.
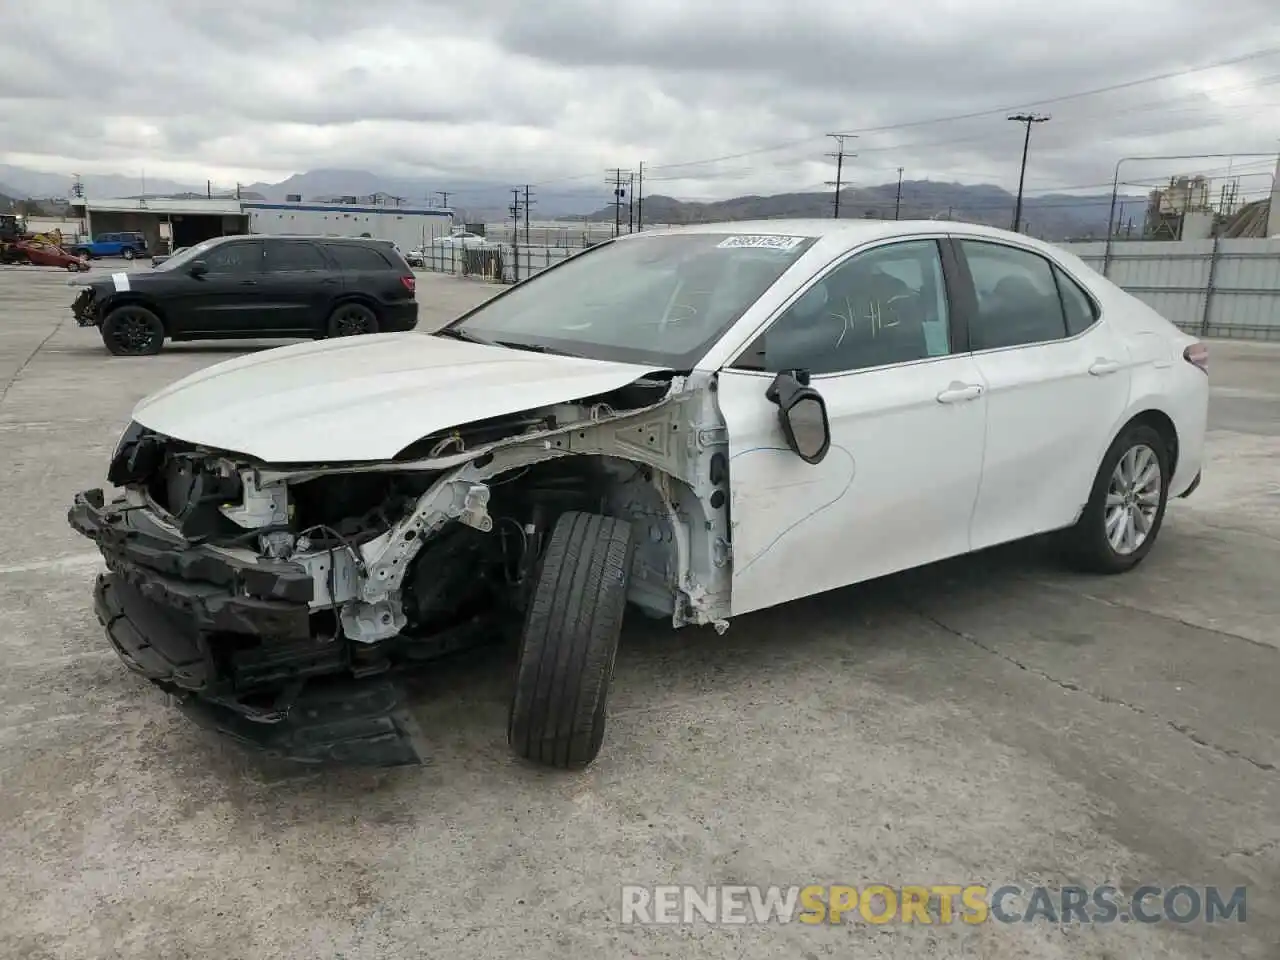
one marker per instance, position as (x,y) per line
(128,245)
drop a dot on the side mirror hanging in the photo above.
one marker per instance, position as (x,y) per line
(802,415)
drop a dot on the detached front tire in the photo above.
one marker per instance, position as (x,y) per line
(570,641)
(132,331)
(1125,512)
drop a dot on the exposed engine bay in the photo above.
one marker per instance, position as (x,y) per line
(245,582)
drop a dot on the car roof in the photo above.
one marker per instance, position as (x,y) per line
(851,233)
(298,236)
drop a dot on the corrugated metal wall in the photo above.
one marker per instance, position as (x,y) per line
(1212,288)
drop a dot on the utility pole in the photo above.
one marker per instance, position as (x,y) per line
(897,201)
(640,198)
(631,203)
(839,156)
(527,204)
(619,193)
(1028,119)
(444,197)
(515,234)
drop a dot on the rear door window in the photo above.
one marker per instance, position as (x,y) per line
(1018,299)
(293,256)
(354,258)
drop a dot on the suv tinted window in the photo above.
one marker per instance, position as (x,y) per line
(888,305)
(243,256)
(1018,300)
(1079,308)
(352,257)
(292,255)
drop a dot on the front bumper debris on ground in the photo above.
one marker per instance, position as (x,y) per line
(232,642)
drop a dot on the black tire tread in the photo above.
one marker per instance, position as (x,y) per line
(108,341)
(1086,547)
(331,326)
(570,640)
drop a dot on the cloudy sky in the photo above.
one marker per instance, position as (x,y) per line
(717,97)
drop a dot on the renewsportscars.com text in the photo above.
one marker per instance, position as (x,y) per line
(934,904)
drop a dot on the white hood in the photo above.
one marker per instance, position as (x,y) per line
(365,398)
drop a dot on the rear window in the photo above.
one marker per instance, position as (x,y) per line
(351,257)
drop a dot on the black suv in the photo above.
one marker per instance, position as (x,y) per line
(253,286)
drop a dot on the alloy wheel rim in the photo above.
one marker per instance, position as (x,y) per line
(351,322)
(133,332)
(1133,499)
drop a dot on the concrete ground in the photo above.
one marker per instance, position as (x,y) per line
(991,720)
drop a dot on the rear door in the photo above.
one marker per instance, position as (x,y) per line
(1057,385)
(298,287)
(224,302)
(377,275)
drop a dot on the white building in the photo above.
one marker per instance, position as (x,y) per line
(407,227)
(184,222)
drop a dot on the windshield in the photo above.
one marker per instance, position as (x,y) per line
(184,255)
(657,299)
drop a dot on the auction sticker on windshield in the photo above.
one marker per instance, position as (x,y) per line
(765,242)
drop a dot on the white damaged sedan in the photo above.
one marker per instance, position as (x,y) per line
(694,424)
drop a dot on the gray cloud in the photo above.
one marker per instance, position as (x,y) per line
(543,92)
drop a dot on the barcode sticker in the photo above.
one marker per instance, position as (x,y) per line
(766,242)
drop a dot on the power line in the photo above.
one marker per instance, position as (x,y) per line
(1230,61)
(1143,107)
(838,156)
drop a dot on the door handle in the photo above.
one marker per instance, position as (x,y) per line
(329,280)
(248,283)
(1101,367)
(960,392)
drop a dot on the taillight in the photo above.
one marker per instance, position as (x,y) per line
(410,283)
(1197,355)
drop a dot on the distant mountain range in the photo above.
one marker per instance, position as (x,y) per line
(1053,216)
(477,199)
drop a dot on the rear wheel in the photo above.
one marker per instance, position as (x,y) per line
(569,642)
(352,319)
(127,253)
(1122,519)
(132,331)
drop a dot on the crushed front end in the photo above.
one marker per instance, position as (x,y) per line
(279,603)
(225,594)
(86,307)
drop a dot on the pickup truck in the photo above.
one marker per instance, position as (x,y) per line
(127,245)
